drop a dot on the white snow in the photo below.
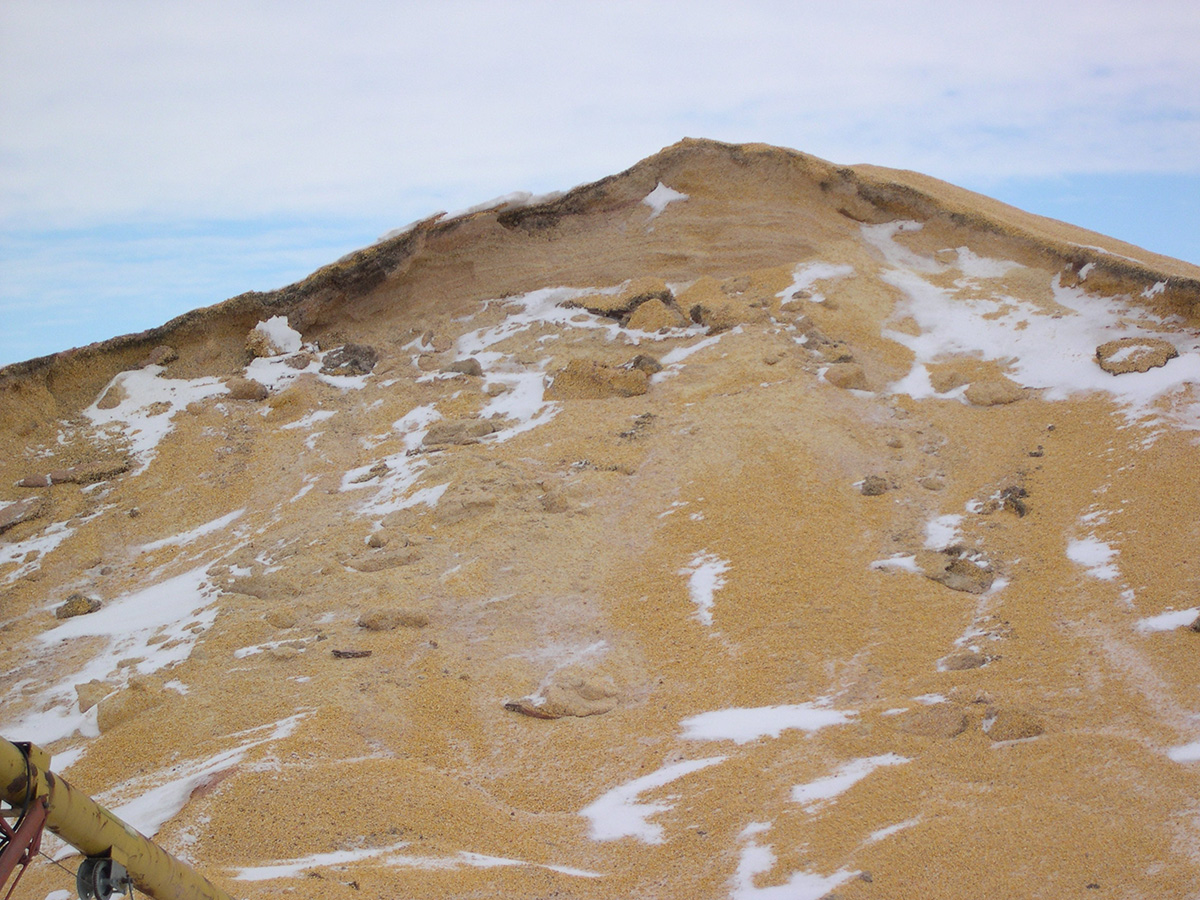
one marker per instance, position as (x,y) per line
(618,813)
(178,540)
(523,400)
(157,625)
(275,373)
(243,652)
(144,416)
(672,360)
(806,275)
(313,418)
(537,307)
(390,856)
(30,552)
(516,199)
(658,199)
(394,489)
(901,563)
(1186,753)
(277,330)
(1049,346)
(882,833)
(414,424)
(942,531)
(310,481)
(973,266)
(895,254)
(523,403)
(816,794)
(150,809)
(1095,555)
(757,860)
(745,724)
(705,577)
(294,868)
(560,656)
(1108,252)
(1168,621)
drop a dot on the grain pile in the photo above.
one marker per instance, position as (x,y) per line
(736,526)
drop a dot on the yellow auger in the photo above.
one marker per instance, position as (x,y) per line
(116,857)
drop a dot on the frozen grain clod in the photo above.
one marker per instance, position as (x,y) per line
(389,619)
(350,360)
(466,431)
(246,389)
(588,380)
(937,721)
(874,485)
(847,375)
(1134,354)
(1012,725)
(469,366)
(957,569)
(77,605)
(16,512)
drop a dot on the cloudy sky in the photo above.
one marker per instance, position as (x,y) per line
(159,156)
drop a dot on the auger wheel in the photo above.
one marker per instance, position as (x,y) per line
(99,878)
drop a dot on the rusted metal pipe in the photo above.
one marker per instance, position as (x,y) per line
(94,831)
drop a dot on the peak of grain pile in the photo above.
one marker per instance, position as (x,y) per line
(739,525)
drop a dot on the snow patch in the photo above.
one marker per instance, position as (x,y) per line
(1168,621)
(756,859)
(619,813)
(815,794)
(900,563)
(313,418)
(178,540)
(658,199)
(28,554)
(672,361)
(1186,753)
(806,275)
(516,200)
(157,625)
(1049,347)
(942,531)
(279,333)
(152,808)
(705,577)
(144,415)
(400,471)
(390,856)
(745,724)
(883,833)
(1094,555)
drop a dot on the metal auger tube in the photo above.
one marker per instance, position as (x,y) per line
(94,831)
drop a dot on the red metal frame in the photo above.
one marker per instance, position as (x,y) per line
(21,843)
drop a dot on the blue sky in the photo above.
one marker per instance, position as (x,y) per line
(160,156)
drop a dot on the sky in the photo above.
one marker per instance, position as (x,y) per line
(160,156)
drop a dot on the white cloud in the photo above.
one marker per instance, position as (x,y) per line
(222,109)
